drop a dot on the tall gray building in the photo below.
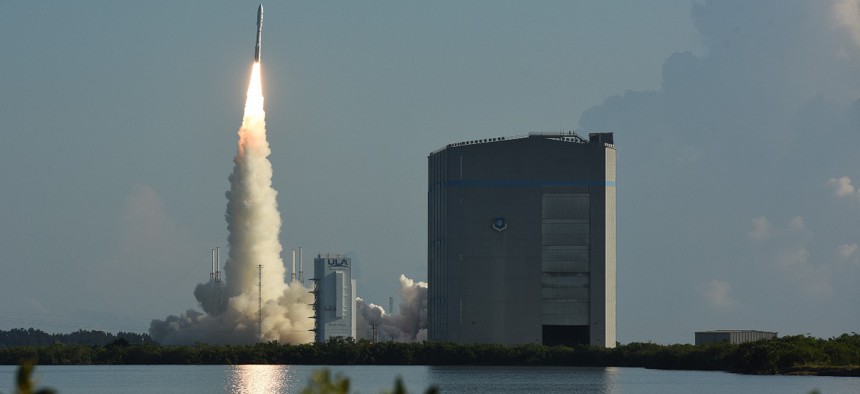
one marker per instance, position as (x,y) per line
(521,240)
(334,302)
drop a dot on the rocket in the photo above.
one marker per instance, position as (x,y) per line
(258,49)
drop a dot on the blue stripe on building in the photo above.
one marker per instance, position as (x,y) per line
(525,183)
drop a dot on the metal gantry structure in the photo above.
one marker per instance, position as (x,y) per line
(259,302)
(316,308)
(216,279)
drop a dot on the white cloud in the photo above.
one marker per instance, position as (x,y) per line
(797,225)
(811,278)
(847,15)
(718,294)
(784,74)
(788,254)
(842,186)
(847,250)
(847,255)
(762,229)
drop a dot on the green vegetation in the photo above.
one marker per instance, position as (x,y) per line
(24,380)
(321,383)
(787,355)
(30,336)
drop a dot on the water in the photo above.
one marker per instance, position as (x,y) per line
(140,379)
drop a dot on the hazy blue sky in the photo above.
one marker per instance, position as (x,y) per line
(737,125)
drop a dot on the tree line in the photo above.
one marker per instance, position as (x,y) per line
(33,337)
(792,354)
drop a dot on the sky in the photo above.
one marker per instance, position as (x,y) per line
(737,125)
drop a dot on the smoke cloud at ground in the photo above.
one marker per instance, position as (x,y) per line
(409,325)
(254,224)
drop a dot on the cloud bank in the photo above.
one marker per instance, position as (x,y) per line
(747,127)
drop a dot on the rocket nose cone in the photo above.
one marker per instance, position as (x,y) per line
(260,15)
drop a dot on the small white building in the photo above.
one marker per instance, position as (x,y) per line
(335,297)
(732,336)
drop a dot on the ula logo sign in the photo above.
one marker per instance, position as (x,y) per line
(338,263)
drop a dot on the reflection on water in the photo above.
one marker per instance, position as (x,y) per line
(521,379)
(609,378)
(254,379)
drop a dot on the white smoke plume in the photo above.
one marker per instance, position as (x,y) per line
(254,224)
(409,325)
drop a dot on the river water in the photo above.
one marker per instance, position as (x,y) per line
(141,379)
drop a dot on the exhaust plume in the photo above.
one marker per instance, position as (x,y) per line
(254,224)
(409,325)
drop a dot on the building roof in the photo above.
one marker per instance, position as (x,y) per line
(564,136)
(730,331)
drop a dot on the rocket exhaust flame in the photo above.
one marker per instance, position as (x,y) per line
(254,224)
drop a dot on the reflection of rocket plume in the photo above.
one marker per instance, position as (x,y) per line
(409,325)
(254,224)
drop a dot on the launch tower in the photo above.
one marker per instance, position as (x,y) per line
(335,297)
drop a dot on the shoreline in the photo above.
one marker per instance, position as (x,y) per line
(796,355)
(828,371)
(836,371)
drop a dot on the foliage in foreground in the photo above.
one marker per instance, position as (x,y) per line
(839,355)
(24,380)
(321,382)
